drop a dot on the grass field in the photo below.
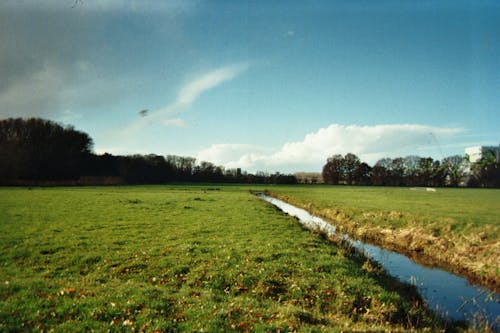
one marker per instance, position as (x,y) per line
(183,258)
(458,228)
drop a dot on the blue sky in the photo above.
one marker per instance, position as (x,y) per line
(262,85)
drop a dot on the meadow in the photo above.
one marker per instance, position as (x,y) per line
(184,258)
(458,229)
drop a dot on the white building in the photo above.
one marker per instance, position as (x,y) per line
(476,153)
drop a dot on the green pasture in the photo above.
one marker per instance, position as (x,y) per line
(460,228)
(463,210)
(184,258)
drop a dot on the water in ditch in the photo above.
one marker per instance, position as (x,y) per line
(450,295)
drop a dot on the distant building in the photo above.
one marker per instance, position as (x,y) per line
(476,153)
(309,177)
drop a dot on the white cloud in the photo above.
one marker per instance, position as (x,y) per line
(176,122)
(187,95)
(192,90)
(370,143)
(233,155)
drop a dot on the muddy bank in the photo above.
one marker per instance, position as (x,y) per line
(475,258)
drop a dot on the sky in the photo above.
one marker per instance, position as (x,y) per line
(260,85)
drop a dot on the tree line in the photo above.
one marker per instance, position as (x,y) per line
(452,171)
(38,151)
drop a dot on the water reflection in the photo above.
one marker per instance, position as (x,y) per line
(450,295)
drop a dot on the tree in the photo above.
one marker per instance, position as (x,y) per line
(183,166)
(350,165)
(397,172)
(333,170)
(438,177)
(411,173)
(347,169)
(425,172)
(379,175)
(456,169)
(486,171)
(362,175)
(35,149)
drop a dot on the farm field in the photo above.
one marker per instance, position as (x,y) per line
(456,228)
(184,258)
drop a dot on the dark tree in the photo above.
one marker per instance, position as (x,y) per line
(36,149)
(397,172)
(425,172)
(379,175)
(333,170)
(279,178)
(208,172)
(345,170)
(183,166)
(438,176)
(362,175)
(350,167)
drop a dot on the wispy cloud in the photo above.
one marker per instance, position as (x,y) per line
(192,91)
(187,95)
(370,143)
(176,122)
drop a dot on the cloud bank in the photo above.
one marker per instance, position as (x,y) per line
(61,55)
(370,143)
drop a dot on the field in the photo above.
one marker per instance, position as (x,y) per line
(455,228)
(184,258)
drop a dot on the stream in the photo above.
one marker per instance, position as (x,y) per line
(450,295)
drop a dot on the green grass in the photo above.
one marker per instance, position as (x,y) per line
(183,258)
(471,209)
(459,227)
